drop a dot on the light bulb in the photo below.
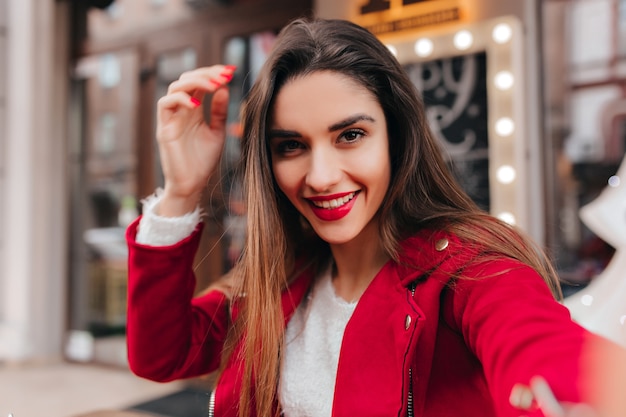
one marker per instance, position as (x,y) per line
(502,33)
(614,181)
(463,40)
(507,218)
(505,126)
(424,47)
(506,174)
(503,80)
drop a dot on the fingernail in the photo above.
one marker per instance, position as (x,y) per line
(521,397)
(228,76)
(215,82)
(527,399)
(514,397)
(195,101)
(230,67)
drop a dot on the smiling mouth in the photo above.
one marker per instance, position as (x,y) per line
(335,202)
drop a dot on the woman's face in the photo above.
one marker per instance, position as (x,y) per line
(330,153)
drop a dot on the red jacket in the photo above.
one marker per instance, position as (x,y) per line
(464,342)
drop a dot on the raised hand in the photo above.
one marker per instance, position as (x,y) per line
(190,147)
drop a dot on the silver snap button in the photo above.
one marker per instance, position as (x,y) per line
(407,322)
(441,244)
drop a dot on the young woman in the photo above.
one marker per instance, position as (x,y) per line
(370,284)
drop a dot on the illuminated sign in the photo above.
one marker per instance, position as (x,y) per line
(381,5)
(384,16)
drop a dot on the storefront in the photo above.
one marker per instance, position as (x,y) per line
(132,52)
(527,98)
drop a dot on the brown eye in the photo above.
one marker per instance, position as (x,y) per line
(353,135)
(288,146)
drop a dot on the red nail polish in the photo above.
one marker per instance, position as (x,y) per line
(228,76)
(215,82)
(195,101)
(230,67)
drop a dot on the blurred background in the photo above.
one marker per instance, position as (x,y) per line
(527,97)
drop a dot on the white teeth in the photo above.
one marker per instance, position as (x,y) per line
(335,202)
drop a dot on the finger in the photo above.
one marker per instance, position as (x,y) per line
(582,410)
(172,102)
(219,110)
(521,397)
(203,80)
(546,400)
(209,72)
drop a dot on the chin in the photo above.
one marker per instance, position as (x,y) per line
(335,238)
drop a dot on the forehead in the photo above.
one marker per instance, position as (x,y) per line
(322,95)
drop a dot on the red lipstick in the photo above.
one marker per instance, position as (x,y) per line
(332,214)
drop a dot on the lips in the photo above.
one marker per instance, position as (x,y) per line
(333,207)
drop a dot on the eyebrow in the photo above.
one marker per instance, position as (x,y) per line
(349,121)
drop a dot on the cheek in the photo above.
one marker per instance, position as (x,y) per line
(381,179)
(375,168)
(286,178)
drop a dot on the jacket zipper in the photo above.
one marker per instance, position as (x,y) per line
(409,396)
(212,404)
(409,408)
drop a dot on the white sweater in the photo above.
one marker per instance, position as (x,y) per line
(312,343)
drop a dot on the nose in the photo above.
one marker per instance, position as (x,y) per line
(324,170)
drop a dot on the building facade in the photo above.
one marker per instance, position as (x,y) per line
(526,97)
(34,64)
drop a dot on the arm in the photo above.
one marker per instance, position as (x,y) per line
(518,331)
(171,335)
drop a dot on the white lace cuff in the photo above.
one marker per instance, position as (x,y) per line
(155,230)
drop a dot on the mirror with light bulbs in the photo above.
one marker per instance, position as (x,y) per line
(471,83)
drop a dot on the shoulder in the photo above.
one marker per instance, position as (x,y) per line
(440,252)
(430,250)
(499,282)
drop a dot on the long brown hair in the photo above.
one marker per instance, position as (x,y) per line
(422,192)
